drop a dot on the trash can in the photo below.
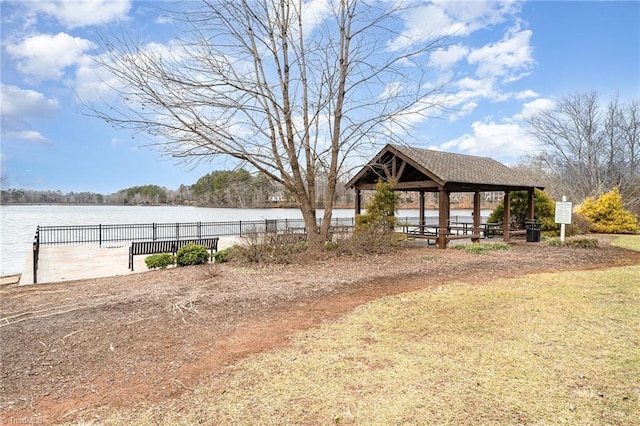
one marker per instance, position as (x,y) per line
(533,231)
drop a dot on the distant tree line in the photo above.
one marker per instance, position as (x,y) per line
(223,188)
(30,196)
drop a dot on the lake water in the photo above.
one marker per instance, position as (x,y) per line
(19,222)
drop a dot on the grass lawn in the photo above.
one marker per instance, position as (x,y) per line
(631,242)
(541,349)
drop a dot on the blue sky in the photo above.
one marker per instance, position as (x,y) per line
(505,60)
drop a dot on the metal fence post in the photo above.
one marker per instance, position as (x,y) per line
(36,253)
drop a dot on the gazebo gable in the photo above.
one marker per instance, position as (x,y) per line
(393,164)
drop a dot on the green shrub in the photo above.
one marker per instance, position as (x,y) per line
(498,246)
(475,248)
(554,242)
(161,260)
(608,215)
(380,215)
(482,248)
(582,242)
(192,254)
(331,245)
(227,254)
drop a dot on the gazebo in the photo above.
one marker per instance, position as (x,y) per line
(423,170)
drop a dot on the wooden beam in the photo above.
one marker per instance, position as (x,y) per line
(417,185)
(427,185)
(388,173)
(358,202)
(401,170)
(365,187)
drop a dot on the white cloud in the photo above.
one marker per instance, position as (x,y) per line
(82,13)
(94,82)
(526,94)
(466,109)
(391,90)
(471,87)
(507,58)
(497,64)
(29,136)
(164,20)
(446,58)
(450,18)
(18,104)
(314,13)
(490,139)
(46,56)
(532,108)
(18,107)
(468,93)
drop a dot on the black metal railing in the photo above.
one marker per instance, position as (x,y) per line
(123,234)
(126,233)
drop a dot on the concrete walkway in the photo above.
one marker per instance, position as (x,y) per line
(66,263)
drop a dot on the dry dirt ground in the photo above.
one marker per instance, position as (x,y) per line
(74,349)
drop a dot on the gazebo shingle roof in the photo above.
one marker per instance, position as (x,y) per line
(450,167)
(452,171)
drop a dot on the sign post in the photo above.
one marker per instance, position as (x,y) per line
(563,215)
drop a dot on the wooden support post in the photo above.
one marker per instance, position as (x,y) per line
(476,215)
(358,202)
(443,218)
(506,218)
(531,213)
(421,212)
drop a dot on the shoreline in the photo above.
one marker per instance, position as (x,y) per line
(10,279)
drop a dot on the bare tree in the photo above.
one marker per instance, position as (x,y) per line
(629,142)
(588,149)
(289,92)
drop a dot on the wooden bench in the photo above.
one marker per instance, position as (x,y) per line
(154,247)
(517,232)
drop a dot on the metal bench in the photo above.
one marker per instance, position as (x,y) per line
(154,247)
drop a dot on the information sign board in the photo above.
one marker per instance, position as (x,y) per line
(563,212)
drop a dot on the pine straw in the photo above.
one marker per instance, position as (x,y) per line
(541,349)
